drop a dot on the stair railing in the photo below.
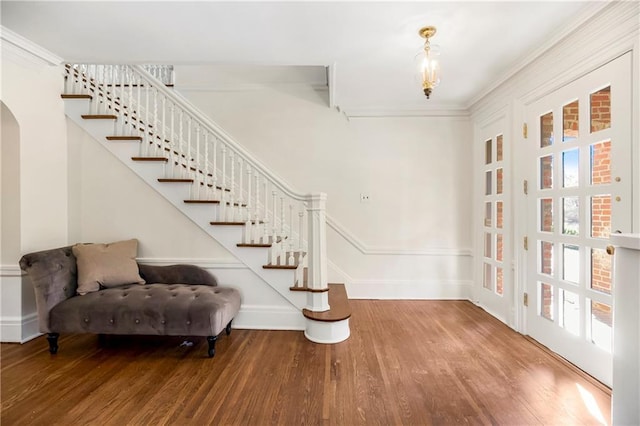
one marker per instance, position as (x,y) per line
(218,168)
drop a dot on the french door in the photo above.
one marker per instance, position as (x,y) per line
(496,293)
(579,191)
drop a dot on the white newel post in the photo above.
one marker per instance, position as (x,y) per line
(317,236)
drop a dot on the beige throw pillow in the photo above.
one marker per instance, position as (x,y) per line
(106,265)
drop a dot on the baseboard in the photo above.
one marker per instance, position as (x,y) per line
(256,317)
(410,289)
(19,329)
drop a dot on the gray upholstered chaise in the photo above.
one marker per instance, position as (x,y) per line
(178,300)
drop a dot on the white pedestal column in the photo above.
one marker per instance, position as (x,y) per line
(625,401)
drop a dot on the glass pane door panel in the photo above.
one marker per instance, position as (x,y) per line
(601,216)
(570,216)
(487,152)
(499,214)
(499,281)
(487,183)
(499,148)
(546,258)
(600,109)
(487,282)
(487,245)
(600,163)
(570,312)
(499,246)
(601,325)
(487,214)
(545,300)
(546,215)
(498,181)
(570,168)
(546,130)
(571,263)
(546,172)
(570,121)
(600,271)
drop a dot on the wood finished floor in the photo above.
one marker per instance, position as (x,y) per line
(407,362)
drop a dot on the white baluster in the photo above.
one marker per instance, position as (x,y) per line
(207,189)
(232,194)
(215,166)
(248,226)
(300,232)
(173,139)
(162,132)
(130,108)
(240,197)
(155,120)
(199,178)
(180,143)
(139,105)
(223,192)
(274,205)
(147,139)
(256,229)
(265,237)
(121,101)
(291,259)
(282,228)
(188,158)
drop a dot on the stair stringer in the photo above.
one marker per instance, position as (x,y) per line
(175,193)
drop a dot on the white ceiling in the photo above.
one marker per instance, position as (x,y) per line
(371,44)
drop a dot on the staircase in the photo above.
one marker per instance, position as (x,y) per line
(277,232)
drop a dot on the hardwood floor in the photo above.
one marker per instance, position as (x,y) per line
(407,362)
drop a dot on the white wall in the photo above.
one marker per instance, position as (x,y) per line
(413,238)
(34,190)
(31,90)
(10,188)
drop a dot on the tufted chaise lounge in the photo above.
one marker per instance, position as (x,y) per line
(178,300)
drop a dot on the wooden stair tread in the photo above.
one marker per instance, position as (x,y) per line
(202,201)
(227,223)
(270,266)
(168,180)
(124,138)
(150,159)
(99,116)
(253,244)
(339,302)
(75,96)
(296,262)
(310,290)
(269,244)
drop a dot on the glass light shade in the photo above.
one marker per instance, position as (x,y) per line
(428,67)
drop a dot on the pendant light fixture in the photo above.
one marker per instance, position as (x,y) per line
(429,67)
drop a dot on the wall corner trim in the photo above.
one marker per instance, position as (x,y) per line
(26,46)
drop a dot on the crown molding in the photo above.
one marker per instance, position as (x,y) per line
(610,34)
(27,47)
(587,13)
(454,111)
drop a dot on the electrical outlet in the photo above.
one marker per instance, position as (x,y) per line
(364,198)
